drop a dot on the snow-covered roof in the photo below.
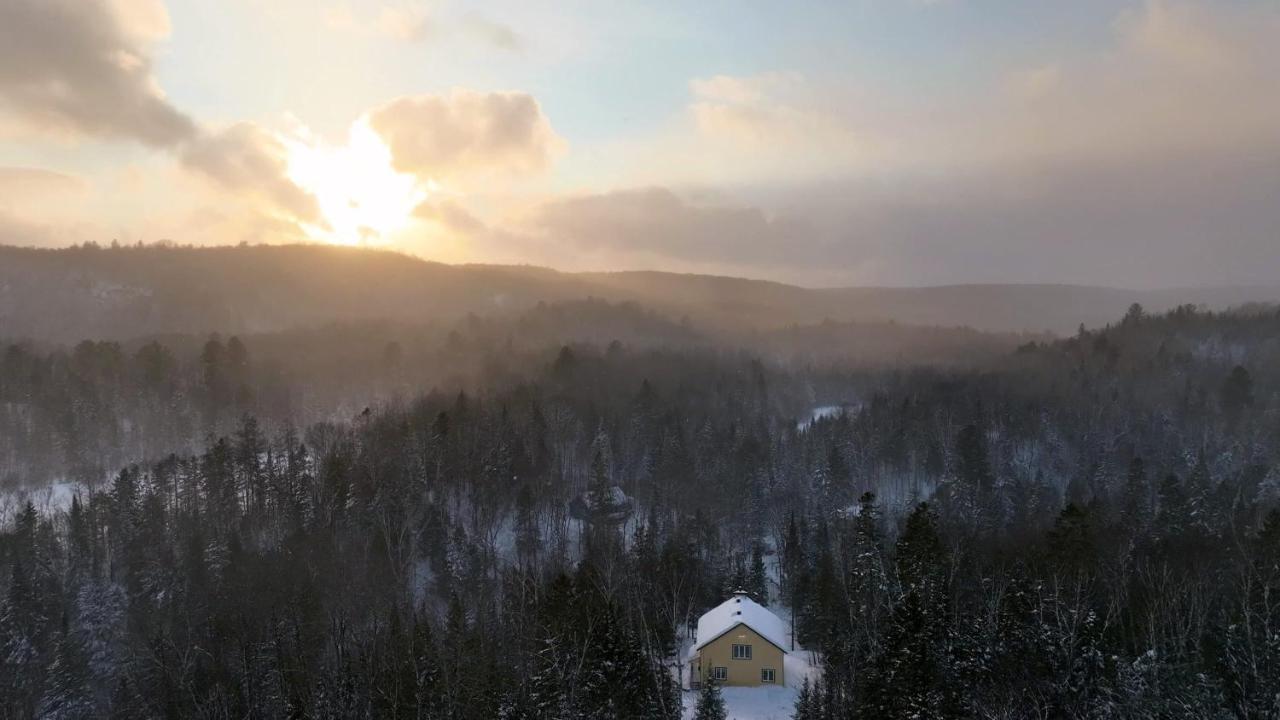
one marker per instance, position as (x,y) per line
(741,610)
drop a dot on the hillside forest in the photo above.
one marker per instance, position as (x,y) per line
(375,519)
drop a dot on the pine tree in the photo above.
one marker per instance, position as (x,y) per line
(972,465)
(1135,505)
(867,574)
(710,702)
(528,535)
(1071,541)
(757,577)
(912,676)
(915,673)
(1237,394)
(81,557)
(805,709)
(217,383)
(67,694)
(919,553)
(665,702)
(1174,518)
(22,630)
(549,682)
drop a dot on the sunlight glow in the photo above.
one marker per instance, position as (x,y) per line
(360,194)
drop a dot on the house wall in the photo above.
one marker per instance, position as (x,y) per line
(719,652)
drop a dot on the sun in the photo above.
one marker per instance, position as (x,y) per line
(361,196)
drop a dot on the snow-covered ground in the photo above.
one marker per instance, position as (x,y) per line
(763,703)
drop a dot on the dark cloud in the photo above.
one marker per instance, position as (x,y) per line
(247,160)
(83,66)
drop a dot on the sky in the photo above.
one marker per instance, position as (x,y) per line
(1129,143)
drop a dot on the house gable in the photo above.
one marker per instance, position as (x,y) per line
(728,630)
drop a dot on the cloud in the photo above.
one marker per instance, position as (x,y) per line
(409,25)
(1184,34)
(451,216)
(764,109)
(22,185)
(1178,79)
(249,161)
(1158,222)
(655,227)
(466,134)
(39,207)
(1177,76)
(415,24)
(492,32)
(84,67)
(15,231)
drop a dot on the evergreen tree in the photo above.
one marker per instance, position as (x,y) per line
(806,708)
(1237,394)
(1135,507)
(919,553)
(912,676)
(528,534)
(972,465)
(757,583)
(67,695)
(1071,541)
(710,702)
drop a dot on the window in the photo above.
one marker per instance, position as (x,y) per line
(719,673)
(741,652)
(766,675)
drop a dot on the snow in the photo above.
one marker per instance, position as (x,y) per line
(823,412)
(740,609)
(762,703)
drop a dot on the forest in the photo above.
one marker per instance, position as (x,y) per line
(1076,527)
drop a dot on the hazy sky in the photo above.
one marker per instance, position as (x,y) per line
(892,142)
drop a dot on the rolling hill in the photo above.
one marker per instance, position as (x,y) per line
(68,294)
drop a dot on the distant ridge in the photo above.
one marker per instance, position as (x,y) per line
(69,294)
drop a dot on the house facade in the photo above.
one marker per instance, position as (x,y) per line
(739,643)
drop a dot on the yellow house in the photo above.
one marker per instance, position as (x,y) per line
(739,643)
